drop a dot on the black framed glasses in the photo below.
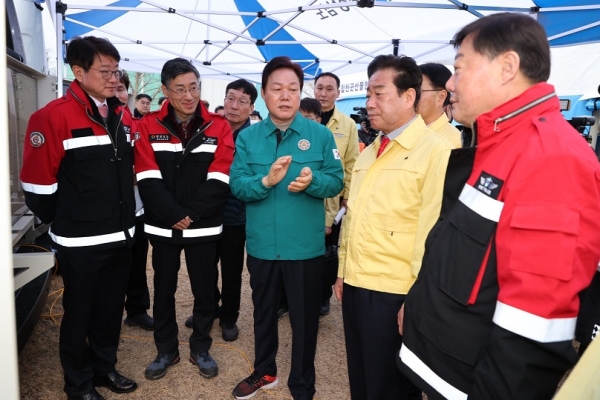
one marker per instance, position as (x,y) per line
(432,90)
(106,75)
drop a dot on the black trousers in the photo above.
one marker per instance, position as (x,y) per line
(333,239)
(331,267)
(95,283)
(302,280)
(230,250)
(372,341)
(200,258)
(138,297)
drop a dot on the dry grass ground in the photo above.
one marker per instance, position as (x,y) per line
(41,374)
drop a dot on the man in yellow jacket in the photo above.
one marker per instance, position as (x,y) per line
(434,98)
(345,134)
(394,201)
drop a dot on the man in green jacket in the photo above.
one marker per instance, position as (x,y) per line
(283,168)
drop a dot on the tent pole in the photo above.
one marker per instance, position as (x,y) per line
(396,43)
(60,8)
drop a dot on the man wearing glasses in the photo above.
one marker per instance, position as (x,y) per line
(240,96)
(182,168)
(434,99)
(77,177)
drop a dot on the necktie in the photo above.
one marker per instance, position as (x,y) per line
(103,110)
(184,126)
(278,134)
(384,142)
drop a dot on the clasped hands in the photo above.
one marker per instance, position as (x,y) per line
(278,170)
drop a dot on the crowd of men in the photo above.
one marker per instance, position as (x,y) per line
(459,265)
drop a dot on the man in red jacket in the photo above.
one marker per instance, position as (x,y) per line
(77,176)
(182,165)
(492,314)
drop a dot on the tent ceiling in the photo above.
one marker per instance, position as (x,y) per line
(235,38)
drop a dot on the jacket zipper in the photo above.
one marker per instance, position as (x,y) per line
(522,110)
(114,143)
(90,116)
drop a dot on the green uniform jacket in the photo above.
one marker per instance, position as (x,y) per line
(282,225)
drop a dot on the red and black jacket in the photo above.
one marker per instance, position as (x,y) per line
(492,314)
(176,181)
(78,172)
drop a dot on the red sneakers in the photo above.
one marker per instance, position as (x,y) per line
(248,388)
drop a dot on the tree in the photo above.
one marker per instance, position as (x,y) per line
(142,82)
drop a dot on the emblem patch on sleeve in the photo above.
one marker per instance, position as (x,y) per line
(37,139)
(488,184)
(336,154)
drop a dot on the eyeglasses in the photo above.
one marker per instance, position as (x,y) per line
(106,75)
(241,102)
(311,118)
(432,90)
(180,92)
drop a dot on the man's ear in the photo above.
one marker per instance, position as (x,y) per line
(410,95)
(78,72)
(441,97)
(510,63)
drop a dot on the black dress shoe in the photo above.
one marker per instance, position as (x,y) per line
(158,368)
(115,382)
(93,395)
(144,321)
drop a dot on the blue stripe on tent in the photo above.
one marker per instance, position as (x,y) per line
(265,26)
(557,22)
(95,18)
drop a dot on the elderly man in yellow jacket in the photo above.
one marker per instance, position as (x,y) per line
(395,199)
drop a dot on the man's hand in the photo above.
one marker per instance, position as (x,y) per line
(277,172)
(345,204)
(302,181)
(338,288)
(327,230)
(401,320)
(183,224)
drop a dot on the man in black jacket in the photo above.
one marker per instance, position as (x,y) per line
(182,166)
(240,96)
(77,176)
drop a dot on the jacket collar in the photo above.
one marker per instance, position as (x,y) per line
(244,126)
(498,123)
(439,123)
(411,134)
(296,126)
(76,91)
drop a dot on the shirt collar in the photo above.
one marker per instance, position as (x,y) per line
(396,132)
(98,103)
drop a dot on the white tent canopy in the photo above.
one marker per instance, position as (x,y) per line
(235,38)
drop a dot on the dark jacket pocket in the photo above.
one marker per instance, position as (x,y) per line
(446,340)
(91,169)
(466,238)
